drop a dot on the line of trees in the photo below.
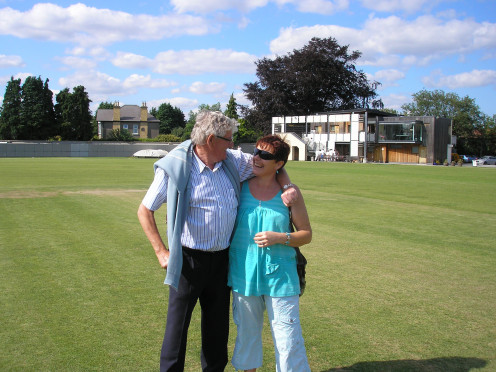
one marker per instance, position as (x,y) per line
(475,131)
(320,77)
(28,112)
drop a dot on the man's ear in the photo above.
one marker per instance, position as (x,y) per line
(210,139)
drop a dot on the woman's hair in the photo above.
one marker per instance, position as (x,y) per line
(211,122)
(276,145)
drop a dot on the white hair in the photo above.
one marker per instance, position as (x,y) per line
(211,122)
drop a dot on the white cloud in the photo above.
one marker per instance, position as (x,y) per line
(395,101)
(199,87)
(99,83)
(94,81)
(131,60)
(321,6)
(246,6)
(384,40)
(185,104)
(190,62)
(77,62)
(86,25)
(392,6)
(387,78)
(142,81)
(243,23)
(212,6)
(474,78)
(11,61)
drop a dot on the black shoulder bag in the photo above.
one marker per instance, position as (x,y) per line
(301,261)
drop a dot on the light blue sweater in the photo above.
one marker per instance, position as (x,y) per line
(177,165)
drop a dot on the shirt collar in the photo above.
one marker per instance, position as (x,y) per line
(202,165)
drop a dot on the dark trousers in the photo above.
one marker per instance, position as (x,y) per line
(204,278)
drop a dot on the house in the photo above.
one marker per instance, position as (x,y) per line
(133,118)
(366,135)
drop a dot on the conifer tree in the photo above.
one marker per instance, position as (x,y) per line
(10,116)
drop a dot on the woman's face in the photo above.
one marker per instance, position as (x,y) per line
(264,162)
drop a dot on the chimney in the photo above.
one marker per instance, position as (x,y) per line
(144,112)
(117,112)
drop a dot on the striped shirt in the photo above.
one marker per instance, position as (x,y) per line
(213,203)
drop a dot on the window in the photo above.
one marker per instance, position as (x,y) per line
(343,127)
(135,128)
(125,127)
(401,132)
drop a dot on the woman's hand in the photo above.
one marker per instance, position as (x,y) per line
(267,238)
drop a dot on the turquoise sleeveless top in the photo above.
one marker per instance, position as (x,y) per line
(255,271)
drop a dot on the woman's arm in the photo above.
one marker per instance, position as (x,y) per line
(301,222)
(302,236)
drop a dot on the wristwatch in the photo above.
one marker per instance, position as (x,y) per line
(287,186)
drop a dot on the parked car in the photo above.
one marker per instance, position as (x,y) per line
(468,158)
(487,160)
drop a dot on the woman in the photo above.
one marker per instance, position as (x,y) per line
(262,264)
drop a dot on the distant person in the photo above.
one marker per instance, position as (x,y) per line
(200,182)
(262,265)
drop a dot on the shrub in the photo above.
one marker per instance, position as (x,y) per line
(167,138)
(178,131)
(120,135)
(55,139)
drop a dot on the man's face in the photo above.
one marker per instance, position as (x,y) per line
(221,144)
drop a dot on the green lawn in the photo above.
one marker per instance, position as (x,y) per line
(401,273)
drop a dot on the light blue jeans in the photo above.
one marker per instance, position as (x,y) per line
(284,318)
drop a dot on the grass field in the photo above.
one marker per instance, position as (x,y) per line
(401,273)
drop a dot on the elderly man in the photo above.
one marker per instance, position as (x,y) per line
(200,182)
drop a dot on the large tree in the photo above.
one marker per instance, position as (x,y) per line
(10,116)
(170,117)
(74,115)
(320,77)
(37,112)
(470,125)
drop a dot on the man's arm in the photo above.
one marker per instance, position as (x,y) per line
(147,220)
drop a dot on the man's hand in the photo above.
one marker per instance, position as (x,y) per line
(290,196)
(147,220)
(163,258)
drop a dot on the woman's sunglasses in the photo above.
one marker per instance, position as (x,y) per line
(265,155)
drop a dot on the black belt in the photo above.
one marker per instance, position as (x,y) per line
(200,251)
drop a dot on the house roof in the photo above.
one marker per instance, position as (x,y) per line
(128,113)
(358,110)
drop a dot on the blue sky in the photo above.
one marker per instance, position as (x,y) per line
(192,52)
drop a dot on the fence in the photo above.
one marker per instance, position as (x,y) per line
(77,149)
(35,149)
